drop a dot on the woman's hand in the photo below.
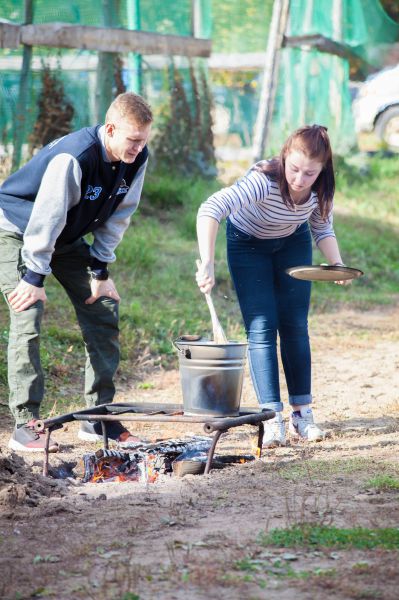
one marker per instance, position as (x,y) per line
(342,281)
(329,247)
(205,276)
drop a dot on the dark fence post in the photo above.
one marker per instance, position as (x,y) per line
(106,64)
(23,94)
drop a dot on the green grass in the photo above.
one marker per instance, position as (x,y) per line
(155,270)
(383,482)
(325,469)
(261,571)
(366,222)
(315,536)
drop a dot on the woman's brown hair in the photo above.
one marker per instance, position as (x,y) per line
(314,142)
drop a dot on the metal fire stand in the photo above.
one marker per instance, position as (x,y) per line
(160,413)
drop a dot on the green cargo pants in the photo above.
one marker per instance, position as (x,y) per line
(98,323)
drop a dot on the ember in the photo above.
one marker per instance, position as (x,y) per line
(109,465)
(144,464)
(148,461)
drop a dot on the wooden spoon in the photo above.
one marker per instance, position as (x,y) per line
(219,336)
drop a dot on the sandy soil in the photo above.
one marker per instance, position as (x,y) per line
(200,536)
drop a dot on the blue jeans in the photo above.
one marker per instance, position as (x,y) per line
(271,301)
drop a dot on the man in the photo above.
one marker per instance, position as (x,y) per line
(89,181)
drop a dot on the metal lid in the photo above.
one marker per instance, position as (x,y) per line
(323,272)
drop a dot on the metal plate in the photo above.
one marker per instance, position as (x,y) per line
(323,273)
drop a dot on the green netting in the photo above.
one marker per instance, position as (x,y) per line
(314,86)
(172,17)
(240,26)
(77,68)
(361,24)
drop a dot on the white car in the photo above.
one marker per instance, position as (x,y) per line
(376,106)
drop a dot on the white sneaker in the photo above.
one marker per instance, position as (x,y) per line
(301,425)
(274,434)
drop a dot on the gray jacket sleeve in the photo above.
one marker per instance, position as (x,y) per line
(107,237)
(59,192)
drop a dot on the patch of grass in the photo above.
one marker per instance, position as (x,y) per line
(315,536)
(279,568)
(379,284)
(146,385)
(384,482)
(167,190)
(364,186)
(366,222)
(321,469)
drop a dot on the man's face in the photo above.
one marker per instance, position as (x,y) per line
(125,139)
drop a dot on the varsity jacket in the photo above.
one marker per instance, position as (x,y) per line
(68,189)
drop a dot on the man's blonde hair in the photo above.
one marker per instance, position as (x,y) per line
(130,106)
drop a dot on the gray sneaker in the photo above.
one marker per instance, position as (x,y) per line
(303,426)
(25,438)
(274,434)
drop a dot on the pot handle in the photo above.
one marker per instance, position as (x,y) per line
(186,352)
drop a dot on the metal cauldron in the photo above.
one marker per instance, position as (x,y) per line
(211,375)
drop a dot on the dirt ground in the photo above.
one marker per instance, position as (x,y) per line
(200,536)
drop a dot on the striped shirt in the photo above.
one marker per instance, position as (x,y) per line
(254,205)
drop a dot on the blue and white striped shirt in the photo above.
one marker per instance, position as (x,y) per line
(255,206)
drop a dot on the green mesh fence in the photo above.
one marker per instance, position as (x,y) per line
(77,69)
(240,26)
(313,86)
(163,17)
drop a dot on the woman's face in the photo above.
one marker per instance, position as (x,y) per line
(301,172)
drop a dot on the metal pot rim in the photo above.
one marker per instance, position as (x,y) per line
(184,341)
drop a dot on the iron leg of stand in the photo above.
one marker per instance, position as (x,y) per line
(212,450)
(260,439)
(105,435)
(46,452)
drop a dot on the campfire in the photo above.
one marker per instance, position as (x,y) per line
(147,462)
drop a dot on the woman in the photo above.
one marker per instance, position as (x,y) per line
(272,214)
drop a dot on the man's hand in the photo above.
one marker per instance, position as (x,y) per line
(100,289)
(24,295)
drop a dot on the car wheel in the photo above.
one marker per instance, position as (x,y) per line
(387,127)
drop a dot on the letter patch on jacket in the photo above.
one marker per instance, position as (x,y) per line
(92,193)
(123,188)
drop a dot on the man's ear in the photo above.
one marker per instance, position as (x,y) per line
(109,129)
